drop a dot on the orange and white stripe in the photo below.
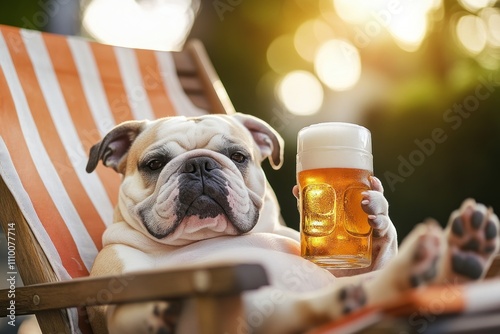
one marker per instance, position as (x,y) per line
(59,96)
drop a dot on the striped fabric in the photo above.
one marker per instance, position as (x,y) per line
(58,96)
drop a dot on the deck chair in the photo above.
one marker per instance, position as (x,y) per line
(58,96)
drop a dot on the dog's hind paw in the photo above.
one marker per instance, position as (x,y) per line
(424,262)
(473,239)
(417,264)
(352,297)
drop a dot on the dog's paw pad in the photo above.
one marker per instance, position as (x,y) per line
(457,227)
(476,220)
(164,317)
(466,265)
(491,230)
(352,298)
(473,238)
(425,258)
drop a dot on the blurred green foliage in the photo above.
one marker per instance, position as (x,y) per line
(17,13)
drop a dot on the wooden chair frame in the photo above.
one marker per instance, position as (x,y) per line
(48,298)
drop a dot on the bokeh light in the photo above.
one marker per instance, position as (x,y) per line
(409,32)
(309,36)
(475,5)
(338,64)
(358,11)
(471,33)
(140,24)
(408,24)
(491,17)
(331,43)
(301,93)
(406,20)
(281,54)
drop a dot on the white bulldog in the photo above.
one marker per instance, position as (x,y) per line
(193,192)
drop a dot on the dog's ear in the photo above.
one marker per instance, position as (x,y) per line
(269,141)
(113,148)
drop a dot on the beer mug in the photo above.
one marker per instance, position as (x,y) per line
(334,163)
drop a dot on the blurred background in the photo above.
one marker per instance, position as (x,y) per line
(422,75)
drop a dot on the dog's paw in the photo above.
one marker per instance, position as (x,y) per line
(417,263)
(164,317)
(424,260)
(419,258)
(352,297)
(473,238)
(375,205)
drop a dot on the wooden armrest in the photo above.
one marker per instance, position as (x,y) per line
(136,287)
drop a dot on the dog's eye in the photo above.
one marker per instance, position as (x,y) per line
(155,164)
(238,157)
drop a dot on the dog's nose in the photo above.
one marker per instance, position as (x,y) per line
(200,165)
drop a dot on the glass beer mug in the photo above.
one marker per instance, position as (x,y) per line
(334,163)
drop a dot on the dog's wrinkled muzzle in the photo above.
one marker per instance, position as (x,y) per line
(203,189)
(199,195)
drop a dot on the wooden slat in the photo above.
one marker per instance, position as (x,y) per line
(201,101)
(136,287)
(199,79)
(184,63)
(215,92)
(494,270)
(223,314)
(191,84)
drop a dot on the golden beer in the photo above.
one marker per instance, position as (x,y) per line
(334,164)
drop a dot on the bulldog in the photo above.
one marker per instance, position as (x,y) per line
(193,192)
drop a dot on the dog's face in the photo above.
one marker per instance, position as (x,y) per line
(188,179)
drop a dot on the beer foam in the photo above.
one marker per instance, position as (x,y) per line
(334,145)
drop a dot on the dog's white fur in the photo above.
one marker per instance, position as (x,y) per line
(308,294)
